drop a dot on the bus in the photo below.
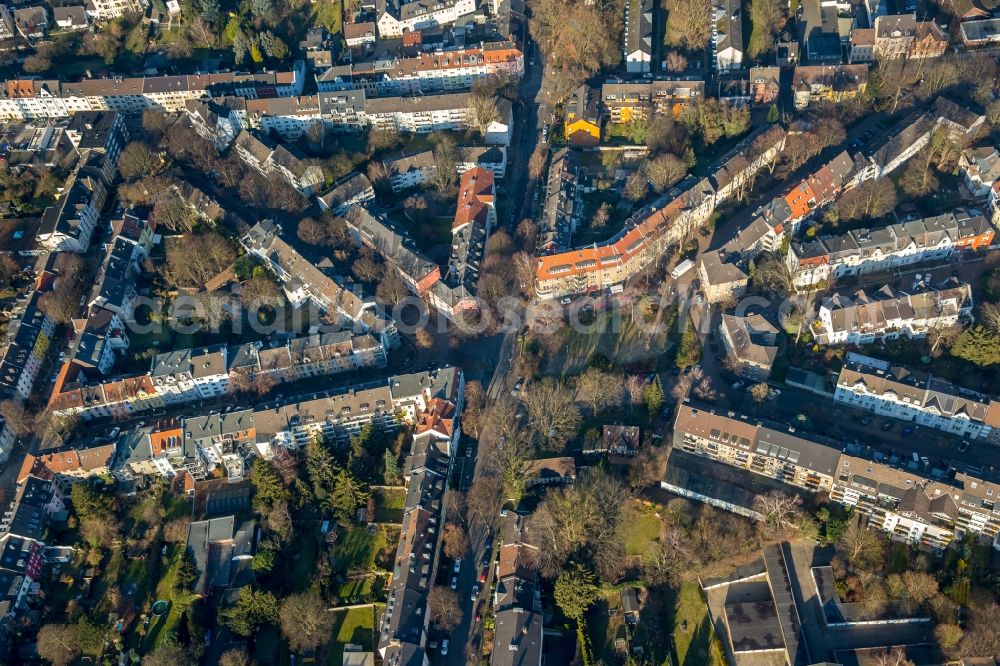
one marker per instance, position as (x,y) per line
(681,268)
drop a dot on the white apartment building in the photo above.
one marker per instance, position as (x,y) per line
(860,251)
(876,386)
(888,314)
(105,10)
(34,98)
(394,17)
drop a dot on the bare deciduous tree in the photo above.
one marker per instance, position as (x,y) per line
(550,406)
(443,608)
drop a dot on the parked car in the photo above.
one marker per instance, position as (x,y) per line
(458,565)
(866,420)
(475,592)
(518,385)
(114,432)
(925,460)
(454,582)
(444,647)
(482,576)
(566,301)
(738,385)
(908,430)
(888,425)
(963,446)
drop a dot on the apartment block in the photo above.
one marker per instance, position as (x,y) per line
(828,258)
(888,314)
(903,502)
(920,397)
(623,101)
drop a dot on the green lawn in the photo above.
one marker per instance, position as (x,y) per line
(356,551)
(355,626)
(164,626)
(693,643)
(330,13)
(616,336)
(389,505)
(642,530)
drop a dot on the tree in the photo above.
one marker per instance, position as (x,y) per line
(948,636)
(767,18)
(689,349)
(873,199)
(536,164)
(169,652)
(455,541)
(860,546)
(348,495)
(58,644)
(267,486)
(778,508)
(482,111)
(367,269)
(137,160)
(555,417)
(88,502)
(653,396)
(601,216)
(305,622)
(635,386)
(390,468)
(600,389)
(311,232)
(186,573)
(235,657)
(636,186)
(664,171)
(391,290)
(445,161)
(676,62)
(576,39)
(444,608)
(978,345)
(689,24)
(583,518)
(193,259)
(61,305)
(575,591)
(760,392)
(9,269)
(920,587)
(173,213)
(253,609)
(16,416)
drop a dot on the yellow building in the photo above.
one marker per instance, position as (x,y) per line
(582,121)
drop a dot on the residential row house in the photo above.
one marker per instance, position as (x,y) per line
(920,397)
(562,209)
(30,333)
(106,10)
(420,169)
(40,98)
(888,314)
(728,45)
(622,101)
(304,283)
(273,159)
(69,223)
(448,70)
(637,38)
(403,627)
(355,188)
(905,503)
(189,375)
(751,344)
(210,444)
(826,259)
(518,635)
(831,83)
(980,169)
(394,18)
(647,235)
